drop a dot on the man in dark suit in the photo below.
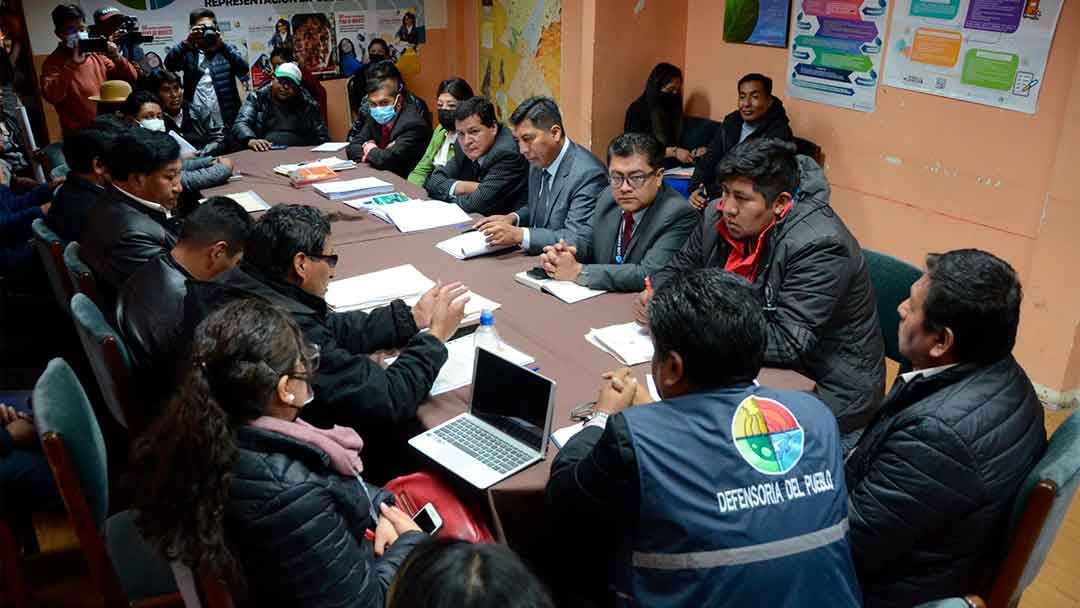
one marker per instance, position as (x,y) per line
(487,174)
(638,224)
(85,152)
(133,220)
(393,135)
(564,181)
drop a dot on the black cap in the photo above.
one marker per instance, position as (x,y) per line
(66,12)
(106,13)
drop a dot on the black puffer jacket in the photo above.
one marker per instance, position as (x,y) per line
(251,122)
(774,123)
(819,306)
(932,481)
(298,527)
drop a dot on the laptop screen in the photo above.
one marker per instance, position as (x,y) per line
(511,398)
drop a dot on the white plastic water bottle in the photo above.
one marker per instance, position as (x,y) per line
(485,335)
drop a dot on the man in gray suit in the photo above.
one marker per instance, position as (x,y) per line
(639,223)
(486,174)
(564,181)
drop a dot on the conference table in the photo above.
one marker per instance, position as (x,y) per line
(549,330)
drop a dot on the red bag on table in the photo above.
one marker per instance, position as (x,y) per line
(418,489)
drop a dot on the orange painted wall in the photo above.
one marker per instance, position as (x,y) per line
(924,173)
(627,46)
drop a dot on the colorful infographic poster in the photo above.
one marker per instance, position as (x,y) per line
(835,53)
(988,51)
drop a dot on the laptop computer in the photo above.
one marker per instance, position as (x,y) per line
(505,430)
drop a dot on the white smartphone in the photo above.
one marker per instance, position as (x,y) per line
(428,519)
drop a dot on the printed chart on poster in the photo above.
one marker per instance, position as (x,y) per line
(835,52)
(991,52)
(328,37)
(520,51)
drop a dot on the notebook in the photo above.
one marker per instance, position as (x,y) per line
(567,291)
(630,343)
(468,245)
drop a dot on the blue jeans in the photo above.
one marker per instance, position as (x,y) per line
(26,482)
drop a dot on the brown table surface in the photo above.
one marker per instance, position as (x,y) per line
(536,323)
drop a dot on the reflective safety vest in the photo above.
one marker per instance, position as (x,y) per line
(742,500)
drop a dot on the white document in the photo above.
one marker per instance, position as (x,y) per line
(423,215)
(365,186)
(630,343)
(686,172)
(458,369)
(250,201)
(186,149)
(330,146)
(468,245)
(567,291)
(368,291)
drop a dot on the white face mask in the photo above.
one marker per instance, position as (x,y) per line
(153,124)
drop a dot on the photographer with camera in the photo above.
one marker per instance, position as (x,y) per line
(75,70)
(210,68)
(123,31)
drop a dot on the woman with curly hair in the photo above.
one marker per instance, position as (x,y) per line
(232,482)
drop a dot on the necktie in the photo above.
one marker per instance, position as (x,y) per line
(541,198)
(627,232)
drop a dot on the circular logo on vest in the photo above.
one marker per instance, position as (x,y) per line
(767,435)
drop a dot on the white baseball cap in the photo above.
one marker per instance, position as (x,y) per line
(290,71)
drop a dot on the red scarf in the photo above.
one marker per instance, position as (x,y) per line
(745,260)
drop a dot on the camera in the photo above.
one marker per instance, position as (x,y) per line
(129,32)
(210,33)
(94,44)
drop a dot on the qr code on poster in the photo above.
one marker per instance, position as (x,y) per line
(940,83)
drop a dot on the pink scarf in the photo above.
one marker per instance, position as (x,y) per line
(341,443)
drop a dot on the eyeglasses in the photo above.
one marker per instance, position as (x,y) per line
(636,180)
(331,260)
(310,355)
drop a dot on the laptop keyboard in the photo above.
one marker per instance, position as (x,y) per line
(473,439)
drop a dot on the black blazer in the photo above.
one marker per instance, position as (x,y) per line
(503,177)
(121,235)
(71,204)
(409,136)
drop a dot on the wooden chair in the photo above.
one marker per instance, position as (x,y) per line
(1038,512)
(82,278)
(75,449)
(109,359)
(50,248)
(16,591)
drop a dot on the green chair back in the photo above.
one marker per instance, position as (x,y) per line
(50,248)
(892,279)
(108,357)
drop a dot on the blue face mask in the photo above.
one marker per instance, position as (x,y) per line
(384,114)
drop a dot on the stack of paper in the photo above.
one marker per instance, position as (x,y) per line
(468,245)
(415,215)
(333,162)
(352,188)
(458,369)
(629,343)
(680,172)
(330,146)
(250,201)
(567,291)
(368,291)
